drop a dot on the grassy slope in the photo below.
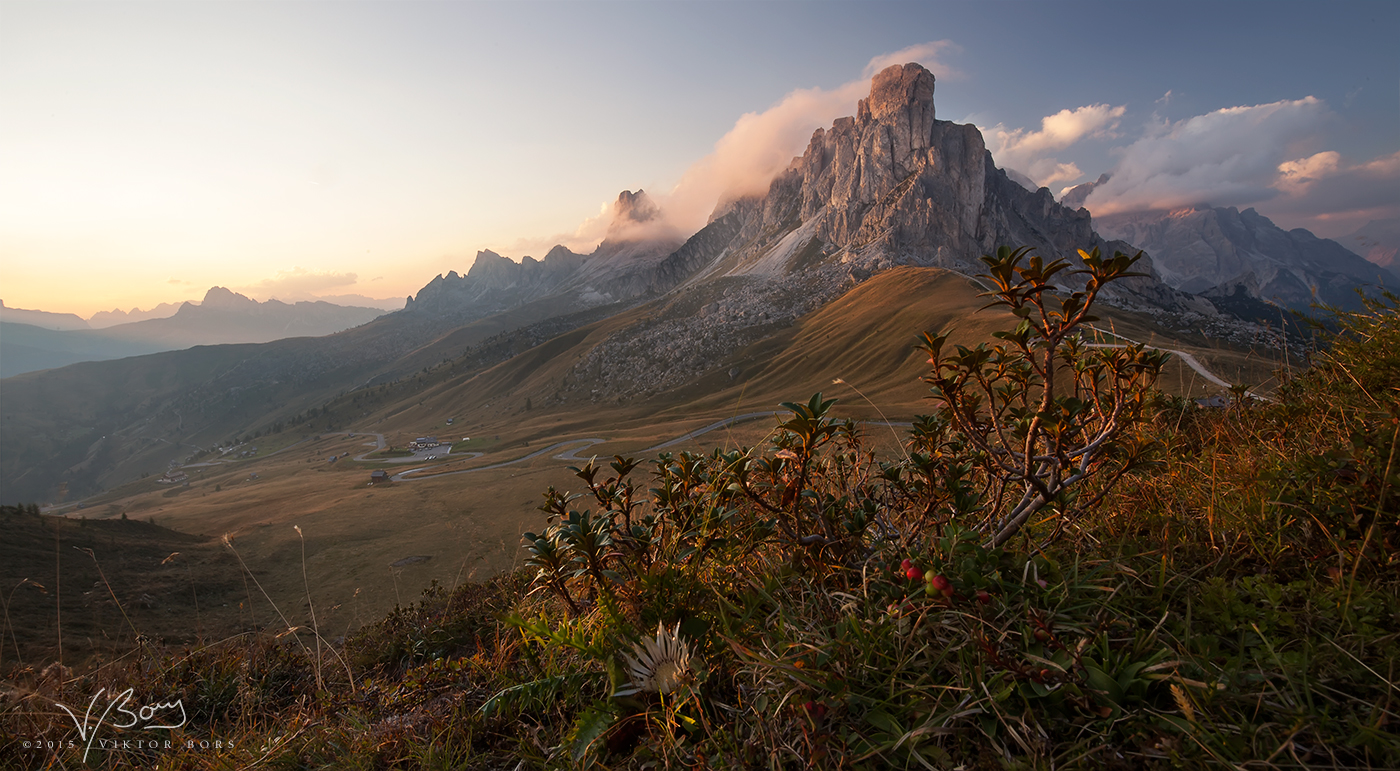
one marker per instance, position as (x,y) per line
(171,586)
(470,523)
(1193,618)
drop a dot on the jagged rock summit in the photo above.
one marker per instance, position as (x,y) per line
(620,268)
(890,186)
(894,185)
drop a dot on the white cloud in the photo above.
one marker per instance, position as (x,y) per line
(1229,157)
(1029,151)
(1050,171)
(1295,177)
(1329,196)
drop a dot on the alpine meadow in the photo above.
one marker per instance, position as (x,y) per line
(873,439)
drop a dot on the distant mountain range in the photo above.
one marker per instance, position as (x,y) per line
(1377,241)
(645,316)
(41,319)
(34,340)
(627,264)
(104,319)
(1222,251)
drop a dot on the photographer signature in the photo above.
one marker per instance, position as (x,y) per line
(143,717)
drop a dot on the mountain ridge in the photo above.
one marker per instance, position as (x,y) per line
(890,187)
(1208,248)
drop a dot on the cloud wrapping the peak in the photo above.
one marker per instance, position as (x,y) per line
(761,144)
(1229,157)
(747,158)
(928,54)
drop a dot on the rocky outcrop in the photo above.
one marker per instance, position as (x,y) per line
(1204,249)
(895,186)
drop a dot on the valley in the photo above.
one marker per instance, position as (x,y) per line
(648,344)
(699,385)
(459,517)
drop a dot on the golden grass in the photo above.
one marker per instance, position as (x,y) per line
(470,523)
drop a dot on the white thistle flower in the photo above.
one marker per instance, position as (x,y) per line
(659,665)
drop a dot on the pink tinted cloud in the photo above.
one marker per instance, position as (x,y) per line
(758,147)
(1030,152)
(1229,157)
(1331,197)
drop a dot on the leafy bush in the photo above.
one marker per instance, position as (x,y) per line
(1228,596)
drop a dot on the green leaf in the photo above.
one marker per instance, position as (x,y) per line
(884,721)
(590,725)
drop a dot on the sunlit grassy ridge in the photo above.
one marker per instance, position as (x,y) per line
(1234,599)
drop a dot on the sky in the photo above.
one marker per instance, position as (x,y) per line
(151,150)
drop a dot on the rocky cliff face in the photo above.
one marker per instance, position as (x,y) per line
(890,186)
(895,186)
(1213,249)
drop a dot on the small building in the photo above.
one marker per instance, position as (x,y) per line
(424,442)
(173,477)
(377,476)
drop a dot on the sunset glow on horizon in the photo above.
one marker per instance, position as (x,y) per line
(152,150)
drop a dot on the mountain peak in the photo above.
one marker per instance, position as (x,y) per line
(896,90)
(637,220)
(219,297)
(635,207)
(1073,197)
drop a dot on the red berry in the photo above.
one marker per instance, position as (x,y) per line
(942,585)
(914,573)
(905,565)
(984,598)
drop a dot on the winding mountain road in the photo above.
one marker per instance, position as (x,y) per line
(1191,361)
